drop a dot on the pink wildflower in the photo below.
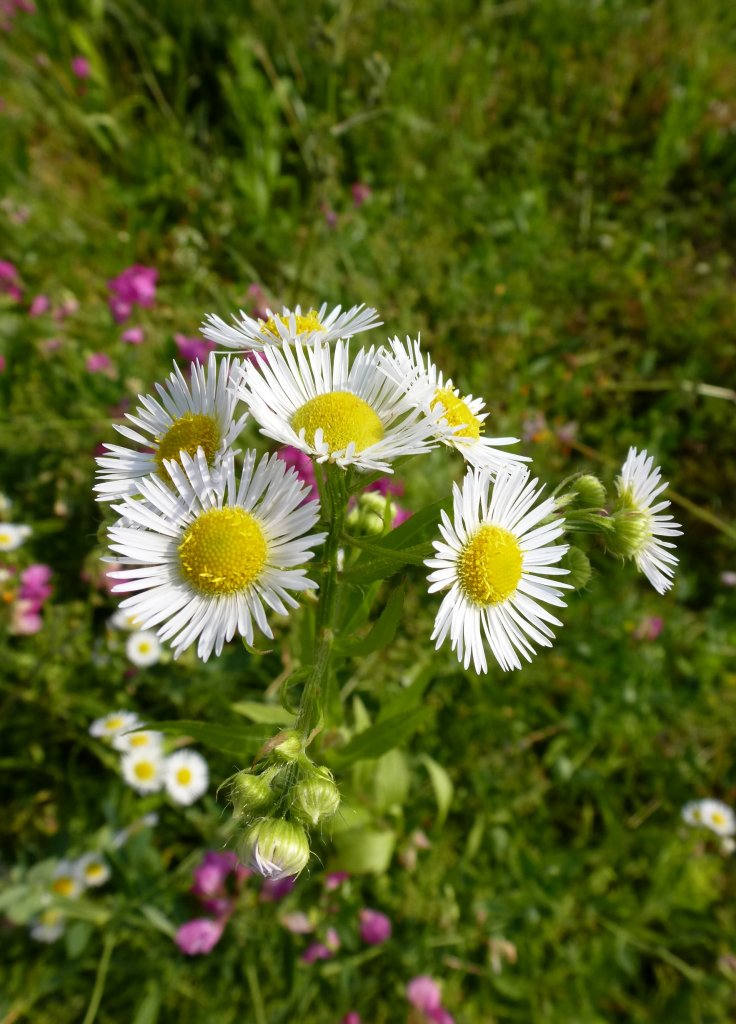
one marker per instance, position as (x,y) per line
(316,951)
(199,936)
(10,281)
(361,193)
(335,879)
(649,628)
(98,362)
(41,304)
(34,583)
(194,349)
(351,1018)
(375,927)
(2,364)
(210,875)
(81,67)
(133,336)
(134,286)
(424,993)
(25,618)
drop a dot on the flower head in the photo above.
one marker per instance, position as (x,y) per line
(200,935)
(81,67)
(133,336)
(143,648)
(112,725)
(48,926)
(98,362)
(712,814)
(494,558)
(289,325)
(93,869)
(138,739)
(67,880)
(13,535)
(424,993)
(143,770)
(186,776)
(134,286)
(375,927)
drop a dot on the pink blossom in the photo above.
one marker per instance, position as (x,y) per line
(34,583)
(351,1018)
(335,879)
(81,67)
(210,875)
(316,951)
(332,940)
(441,1016)
(274,890)
(194,349)
(649,628)
(361,193)
(2,364)
(133,336)
(199,936)
(304,467)
(220,907)
(25,619)
(98,362)
(375,927)
(41,304)
(134,286)
(10,281)
(424,993)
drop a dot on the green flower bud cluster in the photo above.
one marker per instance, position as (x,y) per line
(585,492)
(630,531)
(578,566)
(371,514)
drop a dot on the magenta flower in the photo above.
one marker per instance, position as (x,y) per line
(34,583)
(133,336)
(274,890)
(98,362)
(303,465)
(2,364)
(424,993)
(375,927)
(135,286)
(40,305)
(199,936)
(10,281)
(351,1018)
(194,349)
(25,618)
(81,67)
(335,879)
(210,875)
(361,193)
(317,951)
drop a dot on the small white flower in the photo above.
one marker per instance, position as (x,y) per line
(120,838)
(141,739)
(728,845)
(495,558)
(93,869)
(48,926)
(210,555)
(456,421)
(288,325)
(691,813)
(143,648)
(186,416)
(13,535)
(187,776)
(718,817)
(638,487)
(337,410)
(120,619)
(67,880)
(113,724)
(143,770)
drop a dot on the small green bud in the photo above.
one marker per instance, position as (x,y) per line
(578,564)
(275,848)
(290,748)
(249,793)
(316,798)
(590,491)
(370,514)
(631,530)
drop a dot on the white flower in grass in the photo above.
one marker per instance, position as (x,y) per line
(67,880)
(93,869)
(288,325)
(143,648)
(186,416)
(640,525)
(456,421)
(141,739)
(143,770)
(313,398)
(12,535)
(209,555)
(48,926)
(495,558)
(110,726)
(120,619)
(691,813)
(718,817)
(187,776)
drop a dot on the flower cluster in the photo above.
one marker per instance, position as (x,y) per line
(711,814)
(143,765)
(217,882)
(70,878)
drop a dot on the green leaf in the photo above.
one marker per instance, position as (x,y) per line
(363,851)
(382,737)
(442,785)
(410,697)
(421,526)
(383,629)
(228,739)
(77,937)
(380,563)
(264,714)
(159,921)
(148,1008)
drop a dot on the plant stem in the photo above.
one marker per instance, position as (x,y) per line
(102,969)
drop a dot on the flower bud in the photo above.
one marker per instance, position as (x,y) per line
(275,848)
(249,793)
(630,531)
(371,513)
(316,798)
(290,747)
(590,491)
(578,565)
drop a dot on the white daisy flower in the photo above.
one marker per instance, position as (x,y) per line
(186,776)
(143,770)
(310,397)
(210,555)
(691,813)
(718,817)
(143,648)
(185,417)
(494,558)
(13,535)
(67,880)
(110,726)
(457,422)
(640,524)
(290,325)
(120,619)
(93,869)
(141,739)
(48,926)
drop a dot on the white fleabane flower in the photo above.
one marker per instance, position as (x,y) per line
(315,399)
(120,619)
(12,535)
(110,726)
(494,559)
(186,416)
(718,817)
(186,776)
(143,770)
(457,422)
(691,813)
(48,926)
(143,648)
(209,556)
(93,869)
(639,523)
(67,880)
(289,325)
(141,739)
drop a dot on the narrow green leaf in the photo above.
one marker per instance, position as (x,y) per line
(421,526)
(383,629)
(363,852)
(264,714)
(380,563)
(159,920)
(442,785)
(149,1007)
(409,697)
(229,739)
(382,737)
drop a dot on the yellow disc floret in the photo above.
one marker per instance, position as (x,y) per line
(304,323)
(223,551)
(183,776)
(64,886)
(489,566)
(145,771)
(342,417)
(457,413)
(186,434)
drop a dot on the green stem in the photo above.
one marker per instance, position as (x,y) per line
(102,969)
(259,1009)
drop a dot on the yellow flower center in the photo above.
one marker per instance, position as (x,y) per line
(186,434)
(64,886)
(144,647)
(139,739)
(145,771)
(457,413)
(490,565)
(342,417)
(718,818)
(113,723)
(223,551)
(94,871)
(304,324)
(184,776)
